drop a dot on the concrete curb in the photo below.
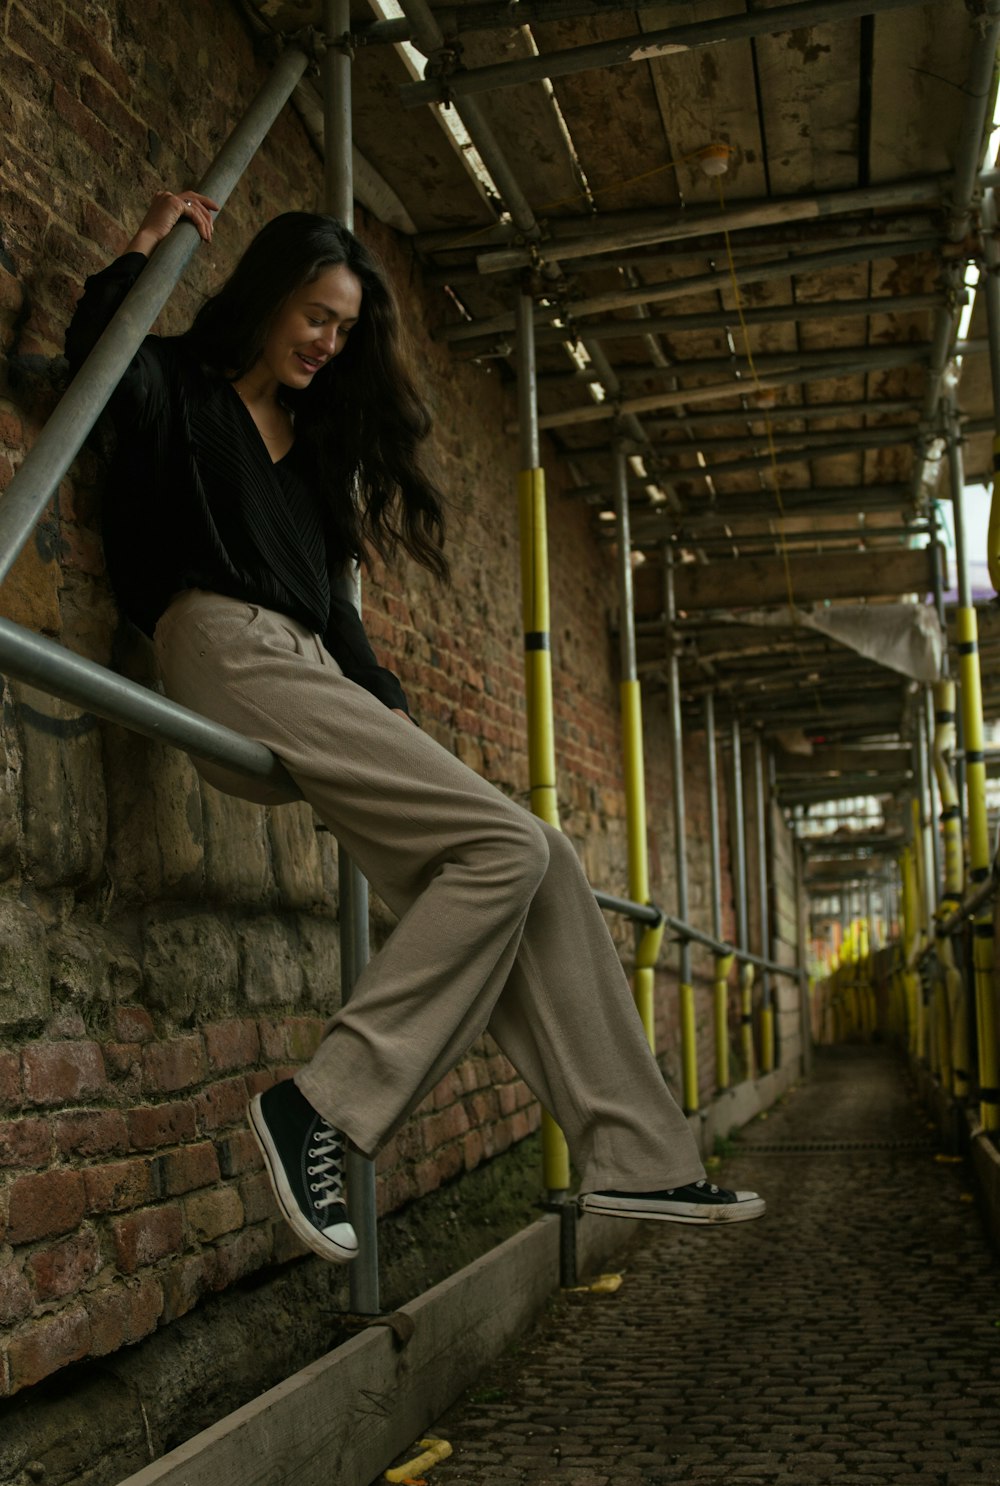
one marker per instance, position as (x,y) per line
(350,1413)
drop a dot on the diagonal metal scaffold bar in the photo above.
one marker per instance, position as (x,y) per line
(734,387)
(644,47)
(772,314)
(676,225)
(495,15)
(659,293)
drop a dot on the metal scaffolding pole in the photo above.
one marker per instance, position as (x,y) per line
(537,655)
(723,962)
(689,1053)
(676,226)
(989,286)
(760,811)
(651,937)
(648,44)
(970,682)
(618,299)
(495,16)
(741,893)
(338,194)
(828,365)
(978,90)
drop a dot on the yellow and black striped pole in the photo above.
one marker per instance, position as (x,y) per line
(970,687)
(954,886)
(537,651)
(689,1030)
(723,962)
(741,894)
(648,947)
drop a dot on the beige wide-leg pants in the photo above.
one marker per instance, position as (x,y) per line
(498,928)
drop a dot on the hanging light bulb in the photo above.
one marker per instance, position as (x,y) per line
(714,159)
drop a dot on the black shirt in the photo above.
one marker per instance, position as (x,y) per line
(193,499)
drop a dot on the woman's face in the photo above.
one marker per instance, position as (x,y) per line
(312,327)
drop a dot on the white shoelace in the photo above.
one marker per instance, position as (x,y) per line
(328,1153)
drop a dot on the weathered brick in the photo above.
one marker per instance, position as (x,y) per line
(64,1268)
(257,1198)
(185,1282)
(123,1312)
(45,1204)
(304,1035)
(82,42)
(232,1044)
(16,1299)
(221,1104)
(238,1153)
(273,1039)
(143,1237)
(170,1066)
(10,1080)
(65,1024)
(210,1214)
(62,1072)
(47,1345)
(161,1124)
(100,99)
(242,1254)
(122,1061)
(85,1132)
(119,1185)
(25,1142)
(132,1024)
(187,1168)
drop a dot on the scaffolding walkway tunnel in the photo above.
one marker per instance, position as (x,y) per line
(851,1336)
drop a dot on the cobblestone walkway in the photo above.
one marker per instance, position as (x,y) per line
(851,1336)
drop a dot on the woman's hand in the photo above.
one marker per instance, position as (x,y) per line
(165,211)
(400,713)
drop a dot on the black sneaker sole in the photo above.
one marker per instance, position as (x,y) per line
(290,1210)
(700,1214)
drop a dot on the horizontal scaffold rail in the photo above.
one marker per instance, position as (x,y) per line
(648,913)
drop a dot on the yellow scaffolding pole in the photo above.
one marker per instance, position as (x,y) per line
(970,685)
(953,1014)
(537,652)
(723,966)
(634,765)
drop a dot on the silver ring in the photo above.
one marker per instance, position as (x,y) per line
(187,203)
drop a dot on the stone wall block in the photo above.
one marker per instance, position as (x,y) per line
(25,1001)
(65,810)
(237,854)
(190,963)
(31,592)
(319,956)
(91,965)
(295,856)
(271,973)
(156,846)
(10,795)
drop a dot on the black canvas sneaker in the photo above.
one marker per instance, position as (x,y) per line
(305,1157)
(698,1202)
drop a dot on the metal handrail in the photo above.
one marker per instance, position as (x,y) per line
(649,913)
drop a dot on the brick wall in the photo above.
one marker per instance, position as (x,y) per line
(165,951)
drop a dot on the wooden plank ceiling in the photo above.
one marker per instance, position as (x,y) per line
(803,459)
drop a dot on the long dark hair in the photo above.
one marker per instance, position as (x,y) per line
(361,415)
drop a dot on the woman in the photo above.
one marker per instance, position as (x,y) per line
(259,454)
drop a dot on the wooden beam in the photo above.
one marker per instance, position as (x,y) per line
(760,582)
(843,760)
